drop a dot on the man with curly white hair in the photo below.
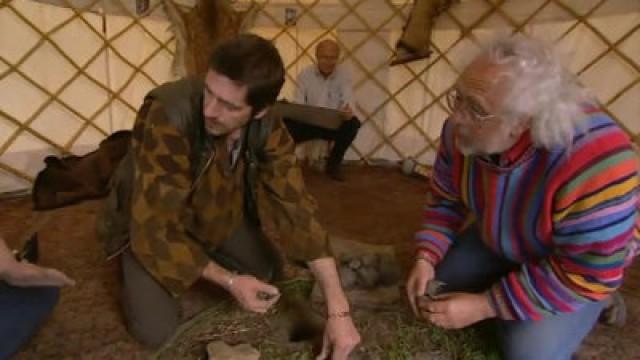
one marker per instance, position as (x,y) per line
(548,186)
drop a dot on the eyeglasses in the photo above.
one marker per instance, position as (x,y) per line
(456,101)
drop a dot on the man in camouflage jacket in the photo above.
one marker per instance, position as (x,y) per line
(188,199)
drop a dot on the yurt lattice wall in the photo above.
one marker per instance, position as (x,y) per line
(73,71)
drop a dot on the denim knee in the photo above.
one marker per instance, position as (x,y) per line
(554,338)
(23,310)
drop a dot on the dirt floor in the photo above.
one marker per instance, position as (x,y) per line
(374,205)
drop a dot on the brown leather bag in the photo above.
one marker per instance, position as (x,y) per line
(68,180)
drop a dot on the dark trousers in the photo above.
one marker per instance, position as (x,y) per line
(22,311)
(153,315)
(471,266)
(342,137)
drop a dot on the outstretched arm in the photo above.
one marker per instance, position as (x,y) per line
(340,335)
(24,274)
(291,211)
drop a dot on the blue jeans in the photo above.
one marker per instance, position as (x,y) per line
(22,310)
(472,267)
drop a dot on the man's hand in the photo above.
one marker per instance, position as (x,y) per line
(340,338)
(420,275)
(24,274)
(253,294)
(347,112)
(455,310)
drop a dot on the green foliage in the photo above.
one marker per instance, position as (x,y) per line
(410,337)
(407,337)
(296,287)
(270,350)
(476,343)
(386,335)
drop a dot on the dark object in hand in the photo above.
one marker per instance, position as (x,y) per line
(29,251)
(435,287)
(265,296)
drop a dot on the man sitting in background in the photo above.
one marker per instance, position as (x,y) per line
(326,85)
(551,183)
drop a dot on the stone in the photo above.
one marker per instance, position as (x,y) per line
(370,260)
(348,277)
(219,350)
(368,277)
(355,263)
(615,312)
(434,287)
(376,269)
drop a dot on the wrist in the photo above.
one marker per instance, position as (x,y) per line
(424,264)
(423,256)
(338,308)
(338,315)
(229,281)
(488,308)
(337,304)
(218,275)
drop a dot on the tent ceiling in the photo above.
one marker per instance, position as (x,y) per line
(105,63)
(129,6)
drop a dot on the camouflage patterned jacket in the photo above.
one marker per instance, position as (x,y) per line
(186,198)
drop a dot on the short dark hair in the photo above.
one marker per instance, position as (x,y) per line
(252,61)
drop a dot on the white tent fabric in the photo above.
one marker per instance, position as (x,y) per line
(68,77)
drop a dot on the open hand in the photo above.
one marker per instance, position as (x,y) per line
(340,338)
(25,274)
(253,294)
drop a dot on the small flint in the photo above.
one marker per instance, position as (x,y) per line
(265,296)
(434,287)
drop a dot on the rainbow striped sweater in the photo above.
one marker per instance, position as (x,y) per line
(571,218)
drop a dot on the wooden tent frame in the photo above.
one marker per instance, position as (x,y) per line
(307,9)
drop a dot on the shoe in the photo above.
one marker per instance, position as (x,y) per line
(405,54)
(335,173)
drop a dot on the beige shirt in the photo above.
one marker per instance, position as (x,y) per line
(334,91)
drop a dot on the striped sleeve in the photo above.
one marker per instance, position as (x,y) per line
(635,245)
(444,211)
(594,220)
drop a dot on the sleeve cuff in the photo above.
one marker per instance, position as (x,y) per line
(427,255)
(499,302)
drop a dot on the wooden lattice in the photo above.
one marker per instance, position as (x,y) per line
(386,96)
